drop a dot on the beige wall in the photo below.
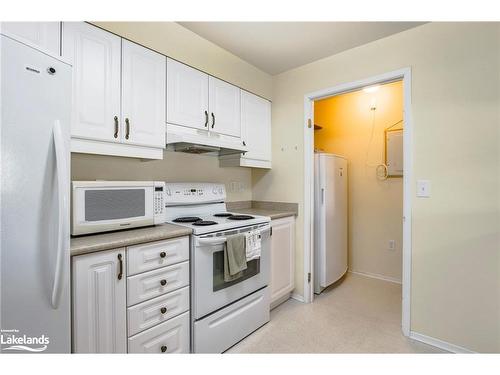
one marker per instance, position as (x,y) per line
(375,206)
(178,42)
(455,102)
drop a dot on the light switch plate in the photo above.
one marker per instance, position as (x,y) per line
(423,188)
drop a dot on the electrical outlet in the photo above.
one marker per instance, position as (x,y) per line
(392,244)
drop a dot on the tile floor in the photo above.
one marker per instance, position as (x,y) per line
(357,315)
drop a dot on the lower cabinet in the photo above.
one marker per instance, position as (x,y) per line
(282,259)
(147,312)
(99,302)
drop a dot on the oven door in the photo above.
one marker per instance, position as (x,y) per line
(210,291)
(111,206)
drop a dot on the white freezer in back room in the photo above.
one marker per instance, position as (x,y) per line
(35,126)
(330,219)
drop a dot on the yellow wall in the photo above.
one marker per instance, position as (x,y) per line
(456,139)
(180,43)
(375,206)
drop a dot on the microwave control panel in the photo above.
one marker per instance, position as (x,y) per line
(159,201)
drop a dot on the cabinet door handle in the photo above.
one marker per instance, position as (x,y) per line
(163,254)
(244,143)
(163,282)
(127,128)
(163,310)
(206,119)
(116,127)
(163,348)
(213,120)
(120,262)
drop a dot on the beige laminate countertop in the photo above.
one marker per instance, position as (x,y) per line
(107,241)
(273,214)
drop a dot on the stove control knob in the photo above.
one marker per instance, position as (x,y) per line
(220,190)
(214,191)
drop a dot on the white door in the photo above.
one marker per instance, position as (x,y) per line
(282,257)
(333,226)
(225,110)
(99,302)
(143,96)
(187,96)
(95,55)
(44,35)
(256,126)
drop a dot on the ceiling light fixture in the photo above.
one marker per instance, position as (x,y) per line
(371,89)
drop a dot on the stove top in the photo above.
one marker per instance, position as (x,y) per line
(202,207)
(209,223)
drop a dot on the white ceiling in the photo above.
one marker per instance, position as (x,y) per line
(275,47)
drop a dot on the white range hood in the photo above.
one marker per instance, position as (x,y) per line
(199,141)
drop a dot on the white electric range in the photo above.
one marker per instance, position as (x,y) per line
(222,313)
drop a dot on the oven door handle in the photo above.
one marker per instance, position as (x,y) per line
(211,241)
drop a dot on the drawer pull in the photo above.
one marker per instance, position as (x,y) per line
(163,282)
(120,272)
(163,348)
(163,254)
(163,310)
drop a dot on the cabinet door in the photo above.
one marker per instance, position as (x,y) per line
(282,257)
(143,95)
(187,96)
(225,111)
(45,35)
(99,302)
(256,126)
(95,55)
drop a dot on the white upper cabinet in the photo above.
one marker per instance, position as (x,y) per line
(45,35)
(256,125)
(143,95)
(95,55)
(224,104)
(187,96)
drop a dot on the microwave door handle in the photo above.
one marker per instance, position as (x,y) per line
(212,241)
(62,203)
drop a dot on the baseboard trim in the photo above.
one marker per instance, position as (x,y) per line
(452,348)
(376,276)
(297,297)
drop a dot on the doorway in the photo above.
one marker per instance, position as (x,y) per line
(374,162)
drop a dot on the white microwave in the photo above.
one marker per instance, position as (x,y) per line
(103,206)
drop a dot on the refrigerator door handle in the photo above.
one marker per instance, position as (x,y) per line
(61,188)
(322,195)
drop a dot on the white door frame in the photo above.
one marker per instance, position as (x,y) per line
(401,74)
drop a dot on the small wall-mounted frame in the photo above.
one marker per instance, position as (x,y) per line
(394,152)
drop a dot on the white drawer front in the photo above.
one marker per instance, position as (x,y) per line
(155,283)
(169,337)
(231,324)
(150,313)
(153,255)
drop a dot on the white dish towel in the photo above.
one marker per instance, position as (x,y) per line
(253,244)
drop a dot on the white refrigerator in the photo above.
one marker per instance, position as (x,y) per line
(34,183)
(330,219)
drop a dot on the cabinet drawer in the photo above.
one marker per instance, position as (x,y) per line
(150,313)
(153,255)
(155,283)
(169,337)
